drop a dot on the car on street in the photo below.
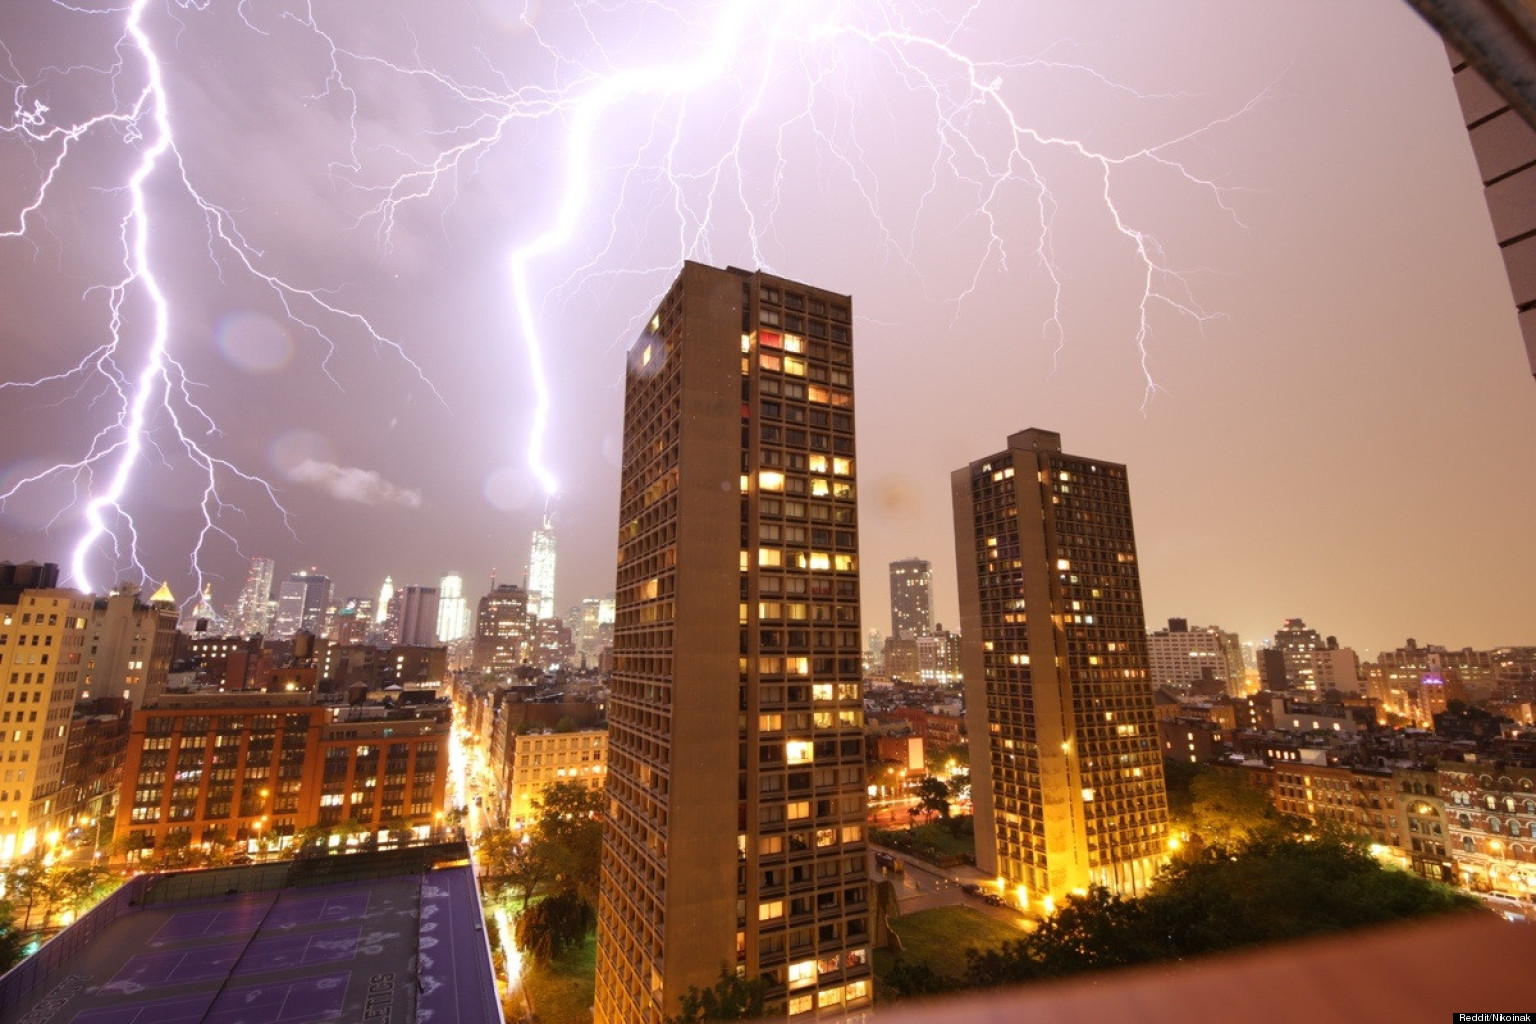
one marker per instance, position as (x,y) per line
(970,888)
(992,899)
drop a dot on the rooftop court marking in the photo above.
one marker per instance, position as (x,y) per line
(382,949)
(297,1002)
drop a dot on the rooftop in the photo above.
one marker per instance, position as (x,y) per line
(389,936)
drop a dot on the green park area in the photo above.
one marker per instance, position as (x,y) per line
(561,990)
(937,939)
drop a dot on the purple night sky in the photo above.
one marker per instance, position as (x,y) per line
(1343,433)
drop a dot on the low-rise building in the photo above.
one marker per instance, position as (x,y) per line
(256,769)
(537,760)
(1491,819)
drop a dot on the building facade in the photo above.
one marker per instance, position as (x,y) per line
(256,769)
(503,631)
(1066,771)
(536,759)
(1200,659)
(736,749)
(911,597)
(42,654)
(302,601)
(129,648)
(418,616)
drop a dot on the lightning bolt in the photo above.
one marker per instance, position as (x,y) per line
(139,374)
(665,132)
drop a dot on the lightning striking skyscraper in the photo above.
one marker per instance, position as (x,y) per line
(541,571)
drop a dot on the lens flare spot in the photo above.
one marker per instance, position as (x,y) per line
(255,343)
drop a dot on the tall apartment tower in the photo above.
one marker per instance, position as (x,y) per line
(911,597)
(541,571)
(1054,652)
(735,831)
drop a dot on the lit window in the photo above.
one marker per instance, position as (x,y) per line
(820,560)
(794,343)
(798,809)
(842,467)
(770,557)
(769,339)
(820,488)
(770,911)
(1063,564)
(770,480)
(769,361)
(798,752)
(792,365)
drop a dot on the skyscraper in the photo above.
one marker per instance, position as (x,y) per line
(452,609)
(541,570)
(1066,771)
(736,784)
(301,604)
(386,595)
(251,609)
(418,616)
(911,597)
(503,632)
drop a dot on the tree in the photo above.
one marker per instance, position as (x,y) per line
(13,940)
(554,924)
(520,862)
(571,827)
(1227,811)
(1274,887)
(731,997)
(933,795)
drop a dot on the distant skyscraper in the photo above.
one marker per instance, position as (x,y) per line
(452,609)
(503,630)
(911,597)
(736,791)
(541,571)
(302,603)
(386,595)
(418,616)
(592,628)
(251,609)
(1066,771)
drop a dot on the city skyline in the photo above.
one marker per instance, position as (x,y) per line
(1316,452)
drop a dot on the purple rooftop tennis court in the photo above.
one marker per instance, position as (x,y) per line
(367,941)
